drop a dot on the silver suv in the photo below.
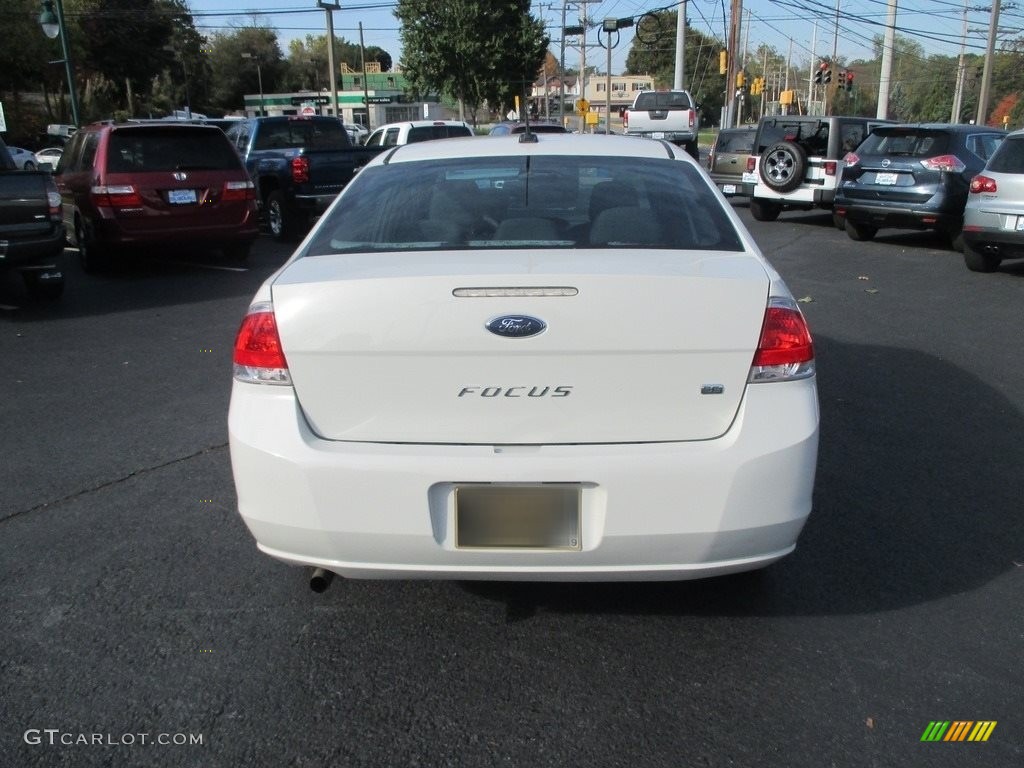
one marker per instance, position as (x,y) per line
(797,161)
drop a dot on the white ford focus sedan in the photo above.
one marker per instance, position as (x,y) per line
(558,358)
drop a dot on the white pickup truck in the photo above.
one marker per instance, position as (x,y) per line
(670,115)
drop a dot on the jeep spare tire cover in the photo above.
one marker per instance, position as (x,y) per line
(783,166)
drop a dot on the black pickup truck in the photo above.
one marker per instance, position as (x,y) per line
(299,165)
(31,228)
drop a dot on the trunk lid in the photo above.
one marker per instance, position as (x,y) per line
(381,348)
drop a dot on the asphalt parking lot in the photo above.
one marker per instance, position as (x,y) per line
(137,610)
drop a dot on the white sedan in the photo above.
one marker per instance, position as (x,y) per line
(49,155)
(23,159)
(560,359)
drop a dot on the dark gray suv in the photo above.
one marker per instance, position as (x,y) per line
(913,177)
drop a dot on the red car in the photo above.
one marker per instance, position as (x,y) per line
(132,186)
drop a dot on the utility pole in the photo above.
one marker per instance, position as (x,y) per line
(814,65)
(958,94)
(679,81)
(732,69)
(561,70)
(884,82)
(366,87)
(328,8)
(986,76)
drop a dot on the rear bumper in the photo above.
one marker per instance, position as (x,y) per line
(1005,243)
(111,231)
(37,251)
(649,511)
(937,214)
(730,184)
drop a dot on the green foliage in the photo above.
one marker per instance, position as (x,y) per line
(307,61)
(233,75)
(470,50)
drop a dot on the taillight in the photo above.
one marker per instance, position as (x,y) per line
(785,350)
(625,119)
(983,184)
(950,163)
(692,117)
(300,169)
(751,163)
(259,358)
(238,190)
(118,196)
(830,167)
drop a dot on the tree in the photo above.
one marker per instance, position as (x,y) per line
(233,75)
(307,60)
(471,51)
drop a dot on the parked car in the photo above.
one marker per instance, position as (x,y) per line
(356,133)
(132,186)
(24,160)
(49,155)
(797,161)
(31,228)
(412,131)
(727,158)
(509,127)
(994,215)
(670,115)
(558,360)
(913,177)
(299,164)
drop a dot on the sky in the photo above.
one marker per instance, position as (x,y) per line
(936,24)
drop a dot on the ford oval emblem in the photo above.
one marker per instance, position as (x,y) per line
(516,326)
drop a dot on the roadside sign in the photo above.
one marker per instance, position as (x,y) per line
(3,122)
(582,106)
(307,110)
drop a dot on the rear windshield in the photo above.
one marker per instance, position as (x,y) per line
(739,142)
(670,100)
(300,133)
(812,135)
(170,149)
(1009,157)
(518,202)
(428,132)
(905,142)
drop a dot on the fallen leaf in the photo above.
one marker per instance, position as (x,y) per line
(806,299)
(870,722)
(870,290)
(863,277)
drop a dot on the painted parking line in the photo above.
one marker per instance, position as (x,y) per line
(208,266)
(8,307)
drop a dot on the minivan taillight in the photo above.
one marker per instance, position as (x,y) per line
(116,196)
(784,351)
(238,190)
(983,184)
(300,169)
(258,357)
(949,163)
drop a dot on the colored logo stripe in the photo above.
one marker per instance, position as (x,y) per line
(958,730)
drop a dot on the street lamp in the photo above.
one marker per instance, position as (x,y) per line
(259,77)
(53,25)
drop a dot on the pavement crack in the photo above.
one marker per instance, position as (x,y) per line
(115,481)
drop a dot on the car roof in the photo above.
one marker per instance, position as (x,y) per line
(421,124)
(546,144)
(951,127)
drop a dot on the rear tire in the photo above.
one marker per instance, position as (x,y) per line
(978,261)
(92,257)
(693,149)
(284,224)
(860,232)
(762,210)
(839,221)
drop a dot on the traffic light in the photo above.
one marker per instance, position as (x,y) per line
(741,79)
(849,81)
(723,62)
(757,86)
(819,76)
(828,76)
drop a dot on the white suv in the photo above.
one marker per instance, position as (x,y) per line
(398,134)
(797,161)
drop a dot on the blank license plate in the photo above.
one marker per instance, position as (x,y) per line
(181,196)
(886,178)
(517,517)
(658,135)
(729,189)
(1020,223)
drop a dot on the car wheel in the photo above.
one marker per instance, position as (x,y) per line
(92,257)
(859,231)
(763,210)
(839,221)
(783,166)
(29,166)
(279,219)
(693,149)
(237,251)
(955,234)
(44,285)
(979,261)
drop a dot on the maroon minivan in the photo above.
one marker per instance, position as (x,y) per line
(132,186)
